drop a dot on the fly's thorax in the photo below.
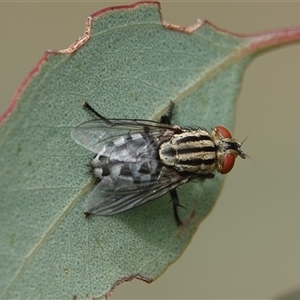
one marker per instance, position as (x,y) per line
(190,151)
(228,149)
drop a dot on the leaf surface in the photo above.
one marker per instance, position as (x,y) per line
(128,65)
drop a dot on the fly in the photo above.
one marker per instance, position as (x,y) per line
(137,161)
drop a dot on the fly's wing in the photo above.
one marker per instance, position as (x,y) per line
(107,199)
(92,135)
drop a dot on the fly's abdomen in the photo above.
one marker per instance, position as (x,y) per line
(129,159)
(190,151)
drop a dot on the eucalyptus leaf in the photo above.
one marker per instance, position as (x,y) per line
(128,65)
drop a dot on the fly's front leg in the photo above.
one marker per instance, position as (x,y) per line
(166,119)
(206,176)
(176,203)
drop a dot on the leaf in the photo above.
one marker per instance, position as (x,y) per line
(292,295)
(130,67)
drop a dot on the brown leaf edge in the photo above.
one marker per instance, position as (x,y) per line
(258,42)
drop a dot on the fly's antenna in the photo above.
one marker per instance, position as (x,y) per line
(244,140)
(242,154)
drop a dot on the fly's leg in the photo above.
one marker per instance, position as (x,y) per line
(206,176)
(176,203)
(166,119)
(175,200)
(86,106)
(170,110)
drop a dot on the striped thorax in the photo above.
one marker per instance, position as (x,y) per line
(190,151)
(199,152)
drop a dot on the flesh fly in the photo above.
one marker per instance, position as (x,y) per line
(137,161)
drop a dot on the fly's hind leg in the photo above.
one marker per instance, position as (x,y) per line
(176,204)
(166,119)
(86,106)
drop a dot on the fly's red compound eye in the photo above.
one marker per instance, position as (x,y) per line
(224,132)
(228,163)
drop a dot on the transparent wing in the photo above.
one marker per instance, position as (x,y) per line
(107,199)
(92,135)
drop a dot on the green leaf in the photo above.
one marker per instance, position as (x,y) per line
(130,67)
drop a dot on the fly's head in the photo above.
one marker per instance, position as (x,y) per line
(228,149)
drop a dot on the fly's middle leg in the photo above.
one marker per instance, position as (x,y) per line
(166,119)
(176,204)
